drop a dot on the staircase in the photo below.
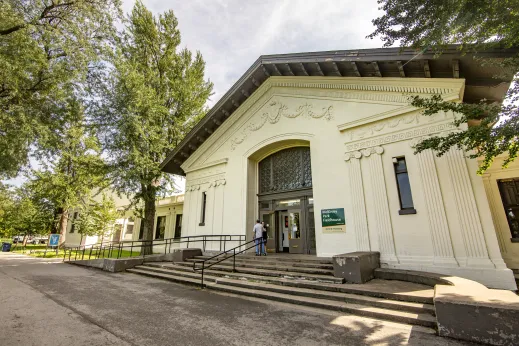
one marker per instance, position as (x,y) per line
(304,281)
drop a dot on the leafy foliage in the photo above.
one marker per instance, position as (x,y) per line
(22,213)
(73,169)
(154,95)
(96,218)
(48,48)
(476,25)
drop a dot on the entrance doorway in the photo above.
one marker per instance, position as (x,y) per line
(286,201)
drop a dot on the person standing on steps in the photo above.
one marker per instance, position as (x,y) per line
(258,236)
(265,237)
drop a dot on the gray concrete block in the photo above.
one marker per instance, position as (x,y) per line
(489,317)
(356,267)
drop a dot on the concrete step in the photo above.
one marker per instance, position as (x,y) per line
(364,290)
(170,275)
(279,266)
(362,306)
(267,261)
(338,296)
(425,320)
(285,272)
(280,258)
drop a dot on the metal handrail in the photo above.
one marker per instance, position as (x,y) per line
(99,250)
(233,256)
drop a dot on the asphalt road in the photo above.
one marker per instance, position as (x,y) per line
(45,302)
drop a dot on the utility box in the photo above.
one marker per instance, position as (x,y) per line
(356,267)
(6,247)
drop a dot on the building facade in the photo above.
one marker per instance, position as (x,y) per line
(321,149)
(168,223)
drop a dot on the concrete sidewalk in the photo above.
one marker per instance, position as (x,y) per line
(51,303)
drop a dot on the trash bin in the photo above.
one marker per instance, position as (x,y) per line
(6,247)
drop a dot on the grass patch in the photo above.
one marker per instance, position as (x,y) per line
(39,251)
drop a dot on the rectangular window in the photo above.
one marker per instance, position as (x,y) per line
(404,187)
(178,226)
(509,190)
(204,202)
(74,218)
(129,229)
(160,230)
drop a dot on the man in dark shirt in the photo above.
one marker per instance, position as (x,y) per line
(265,237)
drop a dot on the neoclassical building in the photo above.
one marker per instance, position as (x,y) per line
(320,147)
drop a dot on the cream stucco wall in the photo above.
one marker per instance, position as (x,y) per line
(509,249)
(354,127)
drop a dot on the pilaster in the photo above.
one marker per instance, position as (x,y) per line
(494,212)
(380,203)
(467,211)
(360,221)
(439,226)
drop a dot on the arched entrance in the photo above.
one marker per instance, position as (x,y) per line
(285,199)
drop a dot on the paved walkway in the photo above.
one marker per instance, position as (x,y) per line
(45,302)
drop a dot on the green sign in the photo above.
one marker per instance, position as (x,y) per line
(333,220)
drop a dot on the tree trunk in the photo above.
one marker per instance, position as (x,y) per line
(24,242)
(149,219)
(63,223)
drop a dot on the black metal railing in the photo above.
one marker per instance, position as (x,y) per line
(115,249)
(230,255)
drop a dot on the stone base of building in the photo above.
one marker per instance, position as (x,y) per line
(492,278)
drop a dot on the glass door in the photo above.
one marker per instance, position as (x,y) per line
(296,242)
(283,233)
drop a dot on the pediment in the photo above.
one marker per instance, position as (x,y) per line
(315,94)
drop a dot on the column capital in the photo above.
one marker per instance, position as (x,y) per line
(373,150)
(352,155)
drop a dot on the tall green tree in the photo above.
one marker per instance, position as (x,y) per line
(476,25)
(155,94)
(72,169)
(6,204)
(48,49)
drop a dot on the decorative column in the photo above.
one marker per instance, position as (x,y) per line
(360,221)
(467,211)
(380,203)
(442,243)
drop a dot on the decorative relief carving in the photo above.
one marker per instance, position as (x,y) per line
(216,180)
(401,136)
(275,111)
(395,122)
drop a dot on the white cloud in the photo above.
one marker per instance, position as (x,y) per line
(232,34)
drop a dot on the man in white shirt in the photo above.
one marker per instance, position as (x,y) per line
(258,237)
